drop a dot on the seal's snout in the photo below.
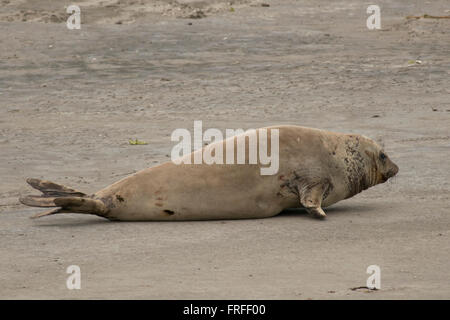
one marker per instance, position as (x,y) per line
(392,171)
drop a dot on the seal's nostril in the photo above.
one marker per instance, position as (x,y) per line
(395,169)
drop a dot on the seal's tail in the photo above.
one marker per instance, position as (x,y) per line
(66,200)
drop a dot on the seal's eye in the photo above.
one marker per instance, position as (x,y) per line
(382,156)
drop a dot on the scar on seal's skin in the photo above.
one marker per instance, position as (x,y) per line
(119,197)
(169,212)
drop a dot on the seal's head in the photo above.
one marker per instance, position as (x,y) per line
(380,168)
(366,164)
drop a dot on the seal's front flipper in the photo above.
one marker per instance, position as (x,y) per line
(311,196)
(317,212)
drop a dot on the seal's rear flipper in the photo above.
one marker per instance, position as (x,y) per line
(46,213)
(81,205)
(52,189)
(38,201)
(66,199)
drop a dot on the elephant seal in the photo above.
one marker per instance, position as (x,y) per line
(317,168)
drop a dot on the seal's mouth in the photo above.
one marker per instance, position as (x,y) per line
(391,173)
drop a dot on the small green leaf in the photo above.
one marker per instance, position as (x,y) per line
(136,142)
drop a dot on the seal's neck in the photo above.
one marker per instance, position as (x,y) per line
(373,175)
(360,176)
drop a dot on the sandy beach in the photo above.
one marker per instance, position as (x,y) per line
(70,100)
